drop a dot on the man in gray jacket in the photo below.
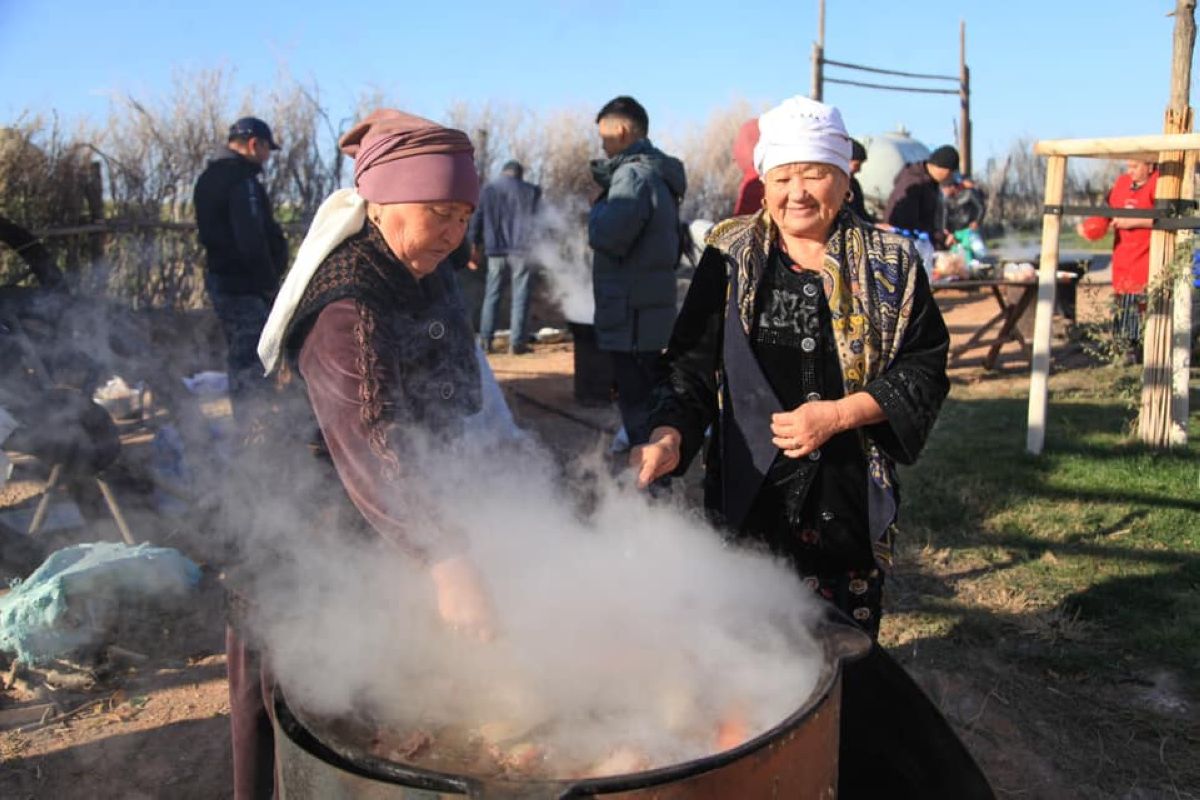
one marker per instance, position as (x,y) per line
(634,232)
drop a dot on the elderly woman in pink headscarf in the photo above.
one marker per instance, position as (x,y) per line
(371,320)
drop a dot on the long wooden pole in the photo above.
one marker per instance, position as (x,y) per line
(964,91)
(1117,146)
(1181,360)
(1039,372)
(818,56)
(1156,427)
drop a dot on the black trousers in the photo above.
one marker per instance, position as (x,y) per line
(636,375)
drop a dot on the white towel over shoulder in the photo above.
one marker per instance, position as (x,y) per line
(339,217)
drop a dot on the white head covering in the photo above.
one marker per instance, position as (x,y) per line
(340,216)
(800,129)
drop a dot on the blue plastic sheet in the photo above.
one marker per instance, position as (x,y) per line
(76,596)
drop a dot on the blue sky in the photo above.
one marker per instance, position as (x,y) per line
(1048,69)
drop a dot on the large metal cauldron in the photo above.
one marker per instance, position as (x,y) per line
(798,758)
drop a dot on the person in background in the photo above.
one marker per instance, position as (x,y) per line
(1134,188)
(915,201)
(750,191)
(857,202)
(634,233)
(246,254)
(503,228)
(964,204)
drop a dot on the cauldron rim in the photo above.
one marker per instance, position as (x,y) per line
(852,645)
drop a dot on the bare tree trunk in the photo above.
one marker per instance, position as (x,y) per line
(1156,427)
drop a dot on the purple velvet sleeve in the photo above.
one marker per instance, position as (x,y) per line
(397,508)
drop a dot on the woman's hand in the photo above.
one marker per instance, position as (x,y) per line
(801,431)
(657,457)
(462,601)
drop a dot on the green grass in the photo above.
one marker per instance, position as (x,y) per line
(1098,527)
(1067,582)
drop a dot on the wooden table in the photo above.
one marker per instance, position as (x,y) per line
(1008,317)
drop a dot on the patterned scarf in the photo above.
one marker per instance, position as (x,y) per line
(867,276)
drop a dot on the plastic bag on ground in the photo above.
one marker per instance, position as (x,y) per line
(74,600)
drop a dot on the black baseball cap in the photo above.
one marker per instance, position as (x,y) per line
(248,127)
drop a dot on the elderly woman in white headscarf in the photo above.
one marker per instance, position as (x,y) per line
(809,342)
(812,341)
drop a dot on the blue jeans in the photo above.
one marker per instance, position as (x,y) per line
(521,273)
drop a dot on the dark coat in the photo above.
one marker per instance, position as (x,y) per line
(698,396)
(247,253)
(379,386)
(503,222)
(915,201)
(858,203)
(967,206)
(633,230)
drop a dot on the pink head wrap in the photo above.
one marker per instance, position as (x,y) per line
(402,158)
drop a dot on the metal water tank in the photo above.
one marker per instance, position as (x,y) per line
(887,154)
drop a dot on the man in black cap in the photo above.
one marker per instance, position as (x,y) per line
(503,228)
(915,201)
(247,253)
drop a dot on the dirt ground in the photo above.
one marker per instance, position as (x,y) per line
(157,726)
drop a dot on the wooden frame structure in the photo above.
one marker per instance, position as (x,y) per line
(962,90)
(1177,152)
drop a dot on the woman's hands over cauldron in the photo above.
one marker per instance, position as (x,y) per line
(657,457)
(462,600)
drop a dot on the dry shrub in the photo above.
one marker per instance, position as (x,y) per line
(45,178)
(713,177)
(568,143)
(555,148)
(150,152)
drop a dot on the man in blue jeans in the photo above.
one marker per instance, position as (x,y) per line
(503,228)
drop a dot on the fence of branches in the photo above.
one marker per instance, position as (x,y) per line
(111,203)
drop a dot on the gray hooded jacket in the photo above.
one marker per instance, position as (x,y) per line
(633,230)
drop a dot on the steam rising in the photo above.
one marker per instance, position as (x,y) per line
(632,625)
(561,248)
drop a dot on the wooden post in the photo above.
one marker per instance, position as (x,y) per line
(1181,362)
(94,195)
(818,56)
(964,95)
(1155,424)
(1039,373)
